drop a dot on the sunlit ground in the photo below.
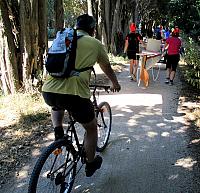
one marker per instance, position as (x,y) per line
(131,110)
(139,121)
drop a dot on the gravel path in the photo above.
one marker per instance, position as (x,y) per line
(148,150)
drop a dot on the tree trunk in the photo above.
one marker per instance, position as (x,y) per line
(29,32)
(100,13)
(33,40)
(42,37)
(115,27)
(9,52)
(5,86)
(117,16)
(23,43)
(107,23)
(89,5)
(59,14)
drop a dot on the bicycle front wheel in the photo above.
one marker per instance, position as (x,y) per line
(104,122)
(55,169)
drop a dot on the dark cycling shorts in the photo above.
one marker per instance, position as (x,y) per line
(81,109)
(132,55)
(172,61)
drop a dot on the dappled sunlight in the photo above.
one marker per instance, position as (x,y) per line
(182,129)
(195,141)
(123,136)
(50,136)
(142,99)
(160,124)
(152,121)
(136,116)
(77,187)
(186,163)
(152,134)
(146,113)
(179,119)
(132,122)
(22,184)
(118,115)
(165,134)
(23,173)
(36,152)
(128,110)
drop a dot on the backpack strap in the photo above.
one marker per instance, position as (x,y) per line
(72,57)
(76,72)
(85,69)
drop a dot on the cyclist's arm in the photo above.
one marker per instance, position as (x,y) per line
(106,68)
(104,64)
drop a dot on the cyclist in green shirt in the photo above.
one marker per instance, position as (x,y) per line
(73,93)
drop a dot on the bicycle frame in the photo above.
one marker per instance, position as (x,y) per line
(72,134)
(66,153)
(71,130)
(95,86)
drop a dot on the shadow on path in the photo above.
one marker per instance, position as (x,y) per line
(149,148)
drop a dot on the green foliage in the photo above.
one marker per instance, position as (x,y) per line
(72,9)
(192,59)
(186,14)
(50,13)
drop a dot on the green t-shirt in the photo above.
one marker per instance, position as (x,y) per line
(89,51)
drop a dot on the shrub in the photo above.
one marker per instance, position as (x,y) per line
(192,59)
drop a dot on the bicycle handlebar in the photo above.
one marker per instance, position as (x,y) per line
(95,86)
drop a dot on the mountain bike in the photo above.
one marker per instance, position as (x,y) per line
(56,168)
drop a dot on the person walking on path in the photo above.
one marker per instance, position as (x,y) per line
(173,45)
(73,93)
(131,48)
(166,33)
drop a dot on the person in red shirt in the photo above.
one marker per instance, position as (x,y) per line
(173,44)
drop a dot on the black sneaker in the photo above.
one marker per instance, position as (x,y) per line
(59,133)
(167,81)
(133,77)
(90,168)
(171,83)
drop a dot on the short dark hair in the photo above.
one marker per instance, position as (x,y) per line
(85,22)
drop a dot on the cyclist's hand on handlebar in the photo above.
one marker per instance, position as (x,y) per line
(115,87)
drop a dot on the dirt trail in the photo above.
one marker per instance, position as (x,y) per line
(149,149)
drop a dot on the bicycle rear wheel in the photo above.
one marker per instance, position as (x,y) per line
(55,169)
(104,122)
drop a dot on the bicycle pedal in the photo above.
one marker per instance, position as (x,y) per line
(59,178)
